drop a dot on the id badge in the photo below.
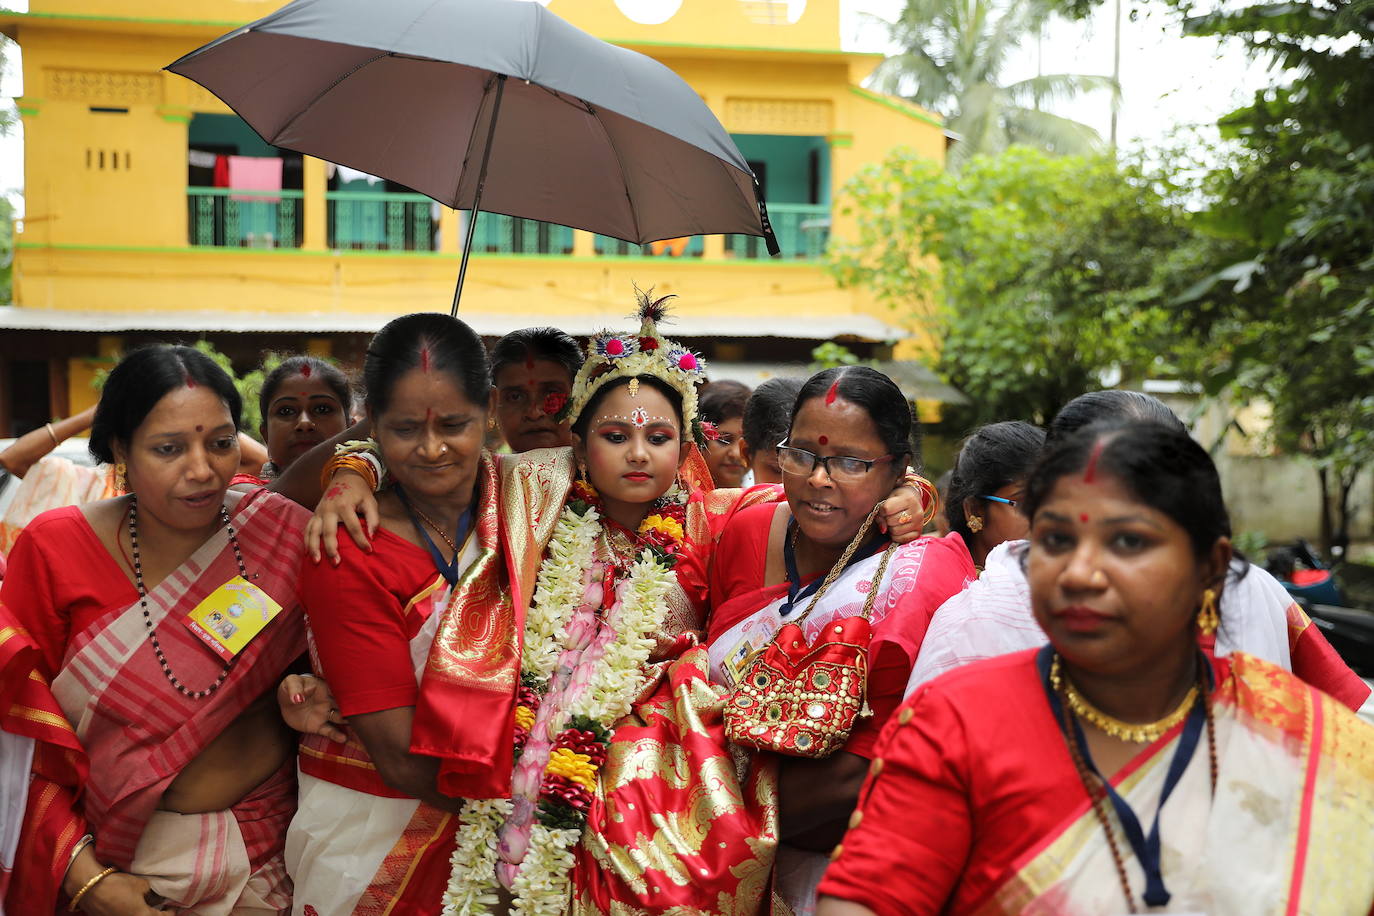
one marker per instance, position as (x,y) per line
(230,616)
(735,663)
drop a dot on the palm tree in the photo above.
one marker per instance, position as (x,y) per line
(953,55)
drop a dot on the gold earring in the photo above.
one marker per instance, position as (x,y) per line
(121,480)
(975,524)
(491,422)
(1208,620)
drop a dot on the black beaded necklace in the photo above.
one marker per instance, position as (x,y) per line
(147,617)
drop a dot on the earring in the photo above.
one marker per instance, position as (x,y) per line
(491,422)
(975,524)
(121,480)
(1208,620)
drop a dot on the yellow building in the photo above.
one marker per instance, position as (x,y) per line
(132,230)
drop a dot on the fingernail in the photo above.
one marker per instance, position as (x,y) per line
(297,698)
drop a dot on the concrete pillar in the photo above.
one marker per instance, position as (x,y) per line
(315,233)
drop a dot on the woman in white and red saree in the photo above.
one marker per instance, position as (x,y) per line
(1123,767)
(140,646)
(849,440)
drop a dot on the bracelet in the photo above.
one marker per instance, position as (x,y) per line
(55,441)
(76,899)
(76,850)
(360,456)
(930,497)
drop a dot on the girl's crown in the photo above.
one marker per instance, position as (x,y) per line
(620,356)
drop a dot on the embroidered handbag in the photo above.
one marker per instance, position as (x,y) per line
(802,699)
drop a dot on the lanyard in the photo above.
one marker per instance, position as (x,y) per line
(448,569)
(795,591)
(1146,848)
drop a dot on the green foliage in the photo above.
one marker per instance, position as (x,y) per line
(249,384)
(831,355)
(1047,275)
(1287,307)
(6,251)
(952,58)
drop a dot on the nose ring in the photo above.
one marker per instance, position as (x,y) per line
(1099,579)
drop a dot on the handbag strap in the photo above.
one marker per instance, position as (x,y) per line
(843,561)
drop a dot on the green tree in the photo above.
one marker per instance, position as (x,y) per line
(1288,301)
(953,56)
(1041,277)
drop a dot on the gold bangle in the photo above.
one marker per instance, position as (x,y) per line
(55,441)
(76,899)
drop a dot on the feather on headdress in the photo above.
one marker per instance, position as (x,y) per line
(612,357)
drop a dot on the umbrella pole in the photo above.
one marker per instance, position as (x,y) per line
(477,198)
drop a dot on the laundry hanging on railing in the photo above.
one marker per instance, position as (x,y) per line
(255,173)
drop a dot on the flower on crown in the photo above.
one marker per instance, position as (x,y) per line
(615,356)
(613,346)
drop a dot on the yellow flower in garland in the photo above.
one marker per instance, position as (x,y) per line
(573,766)
(669,527)
(524,717)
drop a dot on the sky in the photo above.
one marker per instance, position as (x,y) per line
(1167,81)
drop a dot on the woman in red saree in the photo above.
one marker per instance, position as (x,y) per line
(1120,768)
(140,643)
(849,440)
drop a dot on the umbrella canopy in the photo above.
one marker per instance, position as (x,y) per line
(579,132)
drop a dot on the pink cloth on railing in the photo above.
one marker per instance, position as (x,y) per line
(255,173)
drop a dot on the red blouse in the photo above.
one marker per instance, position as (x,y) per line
(362,624)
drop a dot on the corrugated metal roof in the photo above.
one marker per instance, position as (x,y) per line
(915,379)
(486,323)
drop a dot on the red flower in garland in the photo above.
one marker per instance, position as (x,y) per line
(554,402)
(710,430)
(648,343)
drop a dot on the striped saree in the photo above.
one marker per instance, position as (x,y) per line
(109,733)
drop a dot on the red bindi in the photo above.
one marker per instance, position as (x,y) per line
(824,440)
(429,414)
(833,393)
(200,429)
(305,371)
(1090,474)
(1083,517)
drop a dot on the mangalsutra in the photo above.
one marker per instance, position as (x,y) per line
(1143,733)
(148,618)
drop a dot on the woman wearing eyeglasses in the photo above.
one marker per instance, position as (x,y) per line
(820,561)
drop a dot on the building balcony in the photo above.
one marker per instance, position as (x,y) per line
(383,222)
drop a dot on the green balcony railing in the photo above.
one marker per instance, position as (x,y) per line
(234,218)
(368,221)
(499,234)
(802,230)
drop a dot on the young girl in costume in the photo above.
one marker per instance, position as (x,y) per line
(612,719)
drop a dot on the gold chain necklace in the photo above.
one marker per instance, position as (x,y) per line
(1143,733)
(440,531)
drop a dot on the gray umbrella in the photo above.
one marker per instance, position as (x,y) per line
(494,105)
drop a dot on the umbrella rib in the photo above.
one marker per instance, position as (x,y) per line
(323,92)
(619,164)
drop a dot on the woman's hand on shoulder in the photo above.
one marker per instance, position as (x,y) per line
(347,497)
(308,706)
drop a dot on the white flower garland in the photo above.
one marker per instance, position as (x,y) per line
(543,886)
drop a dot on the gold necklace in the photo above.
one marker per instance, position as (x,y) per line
(440,531)
(1143,733)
